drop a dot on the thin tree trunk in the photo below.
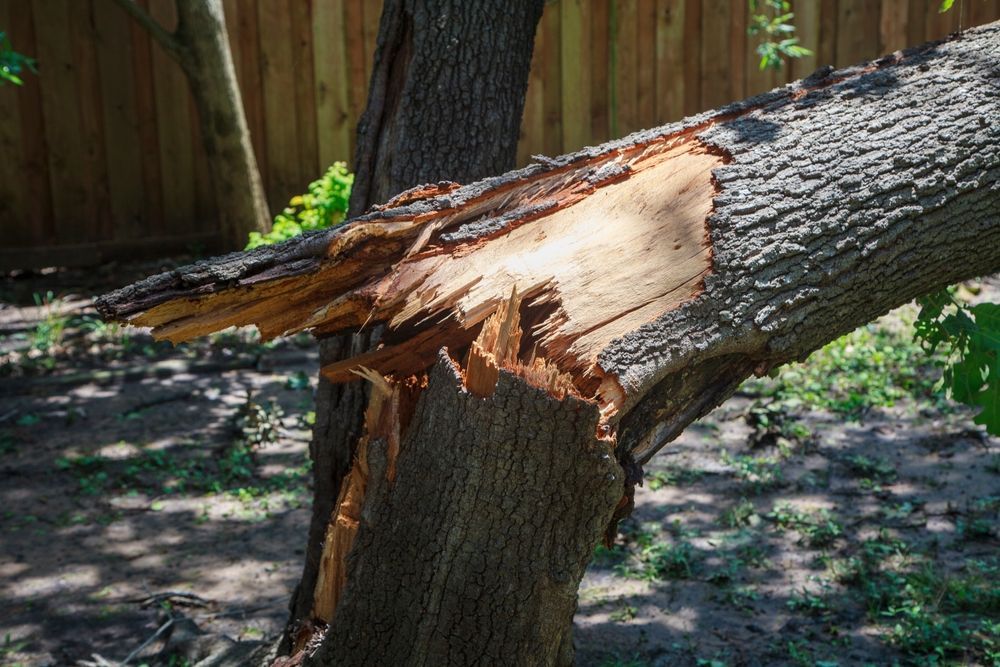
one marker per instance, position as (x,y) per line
(201,47)
(445,103)
(652,274)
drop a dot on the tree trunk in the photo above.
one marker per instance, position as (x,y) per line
(652,275)
(201,47)
(445,103)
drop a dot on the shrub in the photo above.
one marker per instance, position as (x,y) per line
(324,205)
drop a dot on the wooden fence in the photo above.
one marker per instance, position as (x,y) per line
(100,156)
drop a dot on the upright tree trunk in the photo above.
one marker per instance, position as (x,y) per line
(652,274)
(201,47)
(444,104)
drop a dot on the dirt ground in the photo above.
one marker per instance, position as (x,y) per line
(142,485)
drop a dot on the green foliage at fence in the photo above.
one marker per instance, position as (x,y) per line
(323,205)
(12,63)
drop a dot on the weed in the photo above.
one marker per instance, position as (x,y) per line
(743,513)
(757,473)
(653,560)
(818,529)
(672,476)
(809,603)
(872,367)
(624,613)
(48,333)
(874,472)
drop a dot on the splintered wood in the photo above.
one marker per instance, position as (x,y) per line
(382,420)
(497,347)
(595,249)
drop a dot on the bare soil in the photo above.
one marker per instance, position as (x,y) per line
(135,495)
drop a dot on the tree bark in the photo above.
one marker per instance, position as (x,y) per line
(652,274)
(445,103)
(201,47)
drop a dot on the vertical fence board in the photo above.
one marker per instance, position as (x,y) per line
(279,102)
(533,119)
(12,183)
(669,60)
(147,127)
(625,77)
(371,12)
(66,158)
(692,57)
(551,81)
(893,18)
(333,113)
(123,144)
(576,73)
(645,103)
(305,94)
(357,59)
(251,89)
(600,100)
(174,129)
(808,29)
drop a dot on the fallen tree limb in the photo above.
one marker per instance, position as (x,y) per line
(658,270)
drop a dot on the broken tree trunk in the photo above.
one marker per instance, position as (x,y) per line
(430,117)
(646,279)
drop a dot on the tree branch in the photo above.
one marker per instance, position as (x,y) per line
(166,39)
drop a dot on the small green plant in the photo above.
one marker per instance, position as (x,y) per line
(624,613)
(773,20)
(672,476)
(48,333)
(757,473)
(743,513)
(818,529)
(871,367)
(13,63)
(969,337)
(323,205)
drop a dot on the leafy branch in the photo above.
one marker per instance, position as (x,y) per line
(970,336)
(773,20)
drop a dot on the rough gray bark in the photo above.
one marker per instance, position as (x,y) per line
(200,45)
(840,197)
(444,103)
(458,545)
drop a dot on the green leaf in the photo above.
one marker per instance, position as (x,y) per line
(945,6)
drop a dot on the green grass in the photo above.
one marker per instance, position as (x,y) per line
(871,367)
